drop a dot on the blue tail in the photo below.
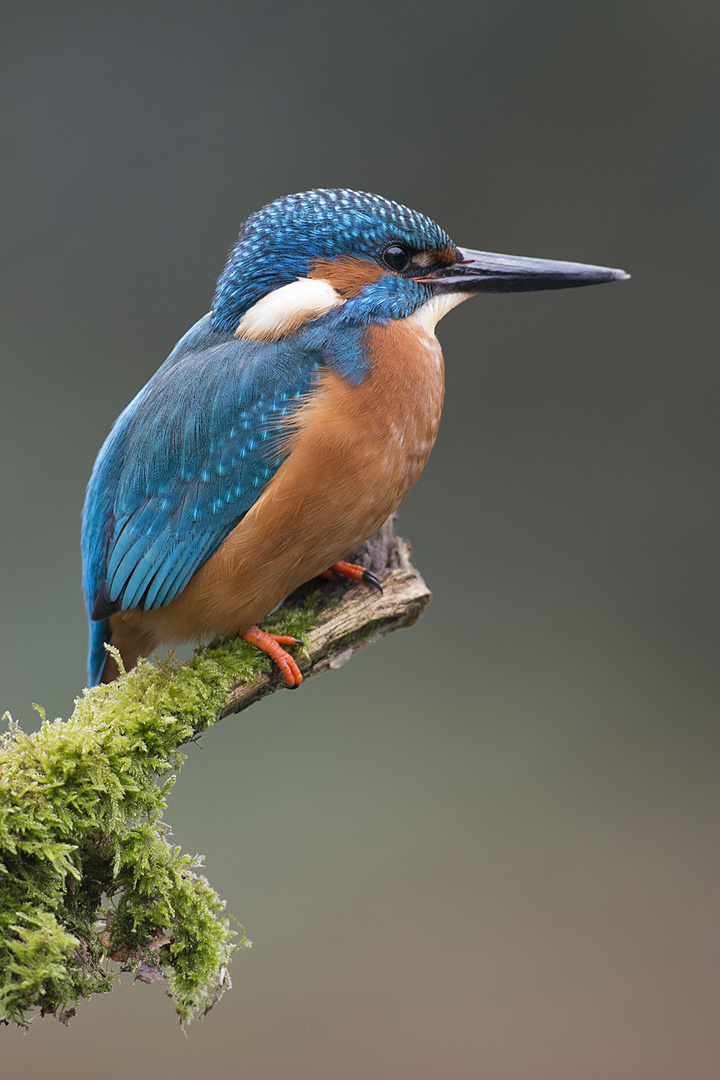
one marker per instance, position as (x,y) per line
(99,635)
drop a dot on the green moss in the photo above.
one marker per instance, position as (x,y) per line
(86,871)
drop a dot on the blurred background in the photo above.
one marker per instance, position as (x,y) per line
(488,847)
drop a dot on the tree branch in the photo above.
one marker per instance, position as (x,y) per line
(349,618)
(86,873)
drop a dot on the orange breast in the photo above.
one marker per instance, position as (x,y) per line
(355,452)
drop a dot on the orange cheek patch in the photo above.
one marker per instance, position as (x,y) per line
(347,275)
(446,256)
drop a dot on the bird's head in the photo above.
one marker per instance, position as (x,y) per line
(365,259)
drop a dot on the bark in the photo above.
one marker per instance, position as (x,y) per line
(350,616)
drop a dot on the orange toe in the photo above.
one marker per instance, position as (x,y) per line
(353,572)
(271,644)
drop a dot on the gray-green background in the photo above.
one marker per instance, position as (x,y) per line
(488,846)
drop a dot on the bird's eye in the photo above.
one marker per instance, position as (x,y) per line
(396,257)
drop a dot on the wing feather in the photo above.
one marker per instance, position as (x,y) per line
(186,461)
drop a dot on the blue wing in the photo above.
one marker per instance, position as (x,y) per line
(183,463)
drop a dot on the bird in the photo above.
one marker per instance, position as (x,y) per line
(285,426)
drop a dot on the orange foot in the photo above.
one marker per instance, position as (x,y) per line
(270,644)
(353,572)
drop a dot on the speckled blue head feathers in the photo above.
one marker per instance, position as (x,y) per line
(278,243)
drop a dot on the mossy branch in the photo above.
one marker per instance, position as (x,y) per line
(87,876)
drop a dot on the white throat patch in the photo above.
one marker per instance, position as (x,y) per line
(429,314)
(287,308)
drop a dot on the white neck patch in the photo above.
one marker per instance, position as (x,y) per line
(287,309)
(429,314)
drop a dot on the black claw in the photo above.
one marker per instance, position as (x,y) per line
(370,579)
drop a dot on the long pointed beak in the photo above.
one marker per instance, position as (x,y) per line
(483,271)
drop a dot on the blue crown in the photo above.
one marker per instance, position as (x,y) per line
(277,243)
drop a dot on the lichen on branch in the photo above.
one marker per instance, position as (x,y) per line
(88,877)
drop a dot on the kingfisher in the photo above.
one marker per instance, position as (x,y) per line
(285,426)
